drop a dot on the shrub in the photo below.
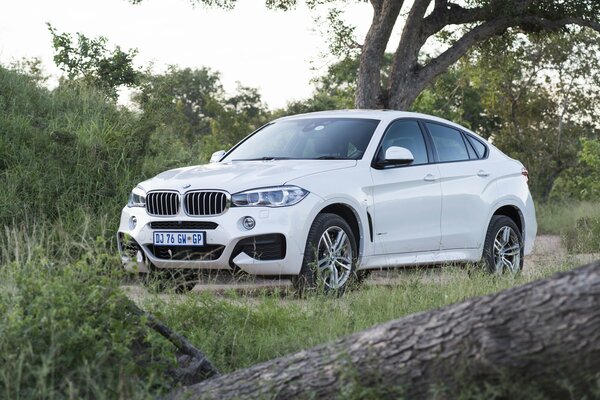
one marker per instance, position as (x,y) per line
(67,331)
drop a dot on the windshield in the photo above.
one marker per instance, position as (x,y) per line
(311,139)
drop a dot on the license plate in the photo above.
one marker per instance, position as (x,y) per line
(174,238)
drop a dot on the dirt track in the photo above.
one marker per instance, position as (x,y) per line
(548,250)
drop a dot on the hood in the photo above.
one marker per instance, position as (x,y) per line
(238,176)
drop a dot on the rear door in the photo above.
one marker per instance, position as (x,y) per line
(466,183)
(406,199)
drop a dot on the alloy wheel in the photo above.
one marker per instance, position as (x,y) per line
(334,251)
(507,250)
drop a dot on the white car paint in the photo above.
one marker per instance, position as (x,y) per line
(421,214)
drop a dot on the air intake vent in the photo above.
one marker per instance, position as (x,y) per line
(162,203)
(205,203)
(183,225)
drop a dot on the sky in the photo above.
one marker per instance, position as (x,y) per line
(274,51)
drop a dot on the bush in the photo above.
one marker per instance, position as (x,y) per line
(64,153)
(67,330)
(582,181)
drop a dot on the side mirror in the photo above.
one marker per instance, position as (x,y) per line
(396,155)
(216,156)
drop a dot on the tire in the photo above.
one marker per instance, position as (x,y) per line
(162,280)
(503,250)
(329,263)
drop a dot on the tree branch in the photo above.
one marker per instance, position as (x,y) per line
(554,25)
(445,14)
(203,366)
(460,47)
(491,28)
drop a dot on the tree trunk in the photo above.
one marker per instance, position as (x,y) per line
(369,92)
(548,329)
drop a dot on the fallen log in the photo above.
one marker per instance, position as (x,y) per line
(542,330)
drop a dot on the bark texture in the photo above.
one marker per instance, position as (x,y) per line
(410,74)
(545,329)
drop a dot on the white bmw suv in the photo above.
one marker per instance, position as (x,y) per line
(321,197)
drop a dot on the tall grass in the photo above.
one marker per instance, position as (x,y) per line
(578,224)
(555,218)
(66,328)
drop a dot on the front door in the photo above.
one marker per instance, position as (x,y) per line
(407,199)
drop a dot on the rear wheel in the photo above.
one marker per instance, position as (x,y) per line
(503,248)
(329,257)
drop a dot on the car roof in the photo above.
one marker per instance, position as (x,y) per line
(383,115)
(387,116)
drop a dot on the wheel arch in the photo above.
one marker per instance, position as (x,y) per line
(513,212)
(351,216)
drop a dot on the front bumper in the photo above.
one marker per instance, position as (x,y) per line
(275,246)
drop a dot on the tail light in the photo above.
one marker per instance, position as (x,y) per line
(525,173)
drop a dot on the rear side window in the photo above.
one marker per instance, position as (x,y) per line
(479,147)
(448,142)
(407,134)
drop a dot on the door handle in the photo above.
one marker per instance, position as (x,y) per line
(431,178)
(483,173)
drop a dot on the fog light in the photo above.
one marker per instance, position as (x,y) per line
(132,222)
(249,223)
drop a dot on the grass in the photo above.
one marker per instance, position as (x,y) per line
(555,218)
(66,329)
(62,333)
(236,331)
(578,224)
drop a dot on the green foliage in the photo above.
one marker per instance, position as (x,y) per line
(535,98)
(554,217)
(582,181)
(189,116)
(66,330)
(90,61)
(63,154)
(578,223)
(68,153)
(185,99)
(458,95)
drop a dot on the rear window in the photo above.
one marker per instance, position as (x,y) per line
(448,142)
(479,147)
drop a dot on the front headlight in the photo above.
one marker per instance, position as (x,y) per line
(279,196)
(137,198)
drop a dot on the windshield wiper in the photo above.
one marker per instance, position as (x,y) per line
(331,158)
(263,159)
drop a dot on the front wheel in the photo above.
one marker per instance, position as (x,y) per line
(329,257)
(503,249)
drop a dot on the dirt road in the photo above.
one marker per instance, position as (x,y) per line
(548,250)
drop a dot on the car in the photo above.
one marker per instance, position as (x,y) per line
(321,197)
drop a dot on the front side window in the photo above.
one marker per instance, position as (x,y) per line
(407,134)
(448,143)
(310,138)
